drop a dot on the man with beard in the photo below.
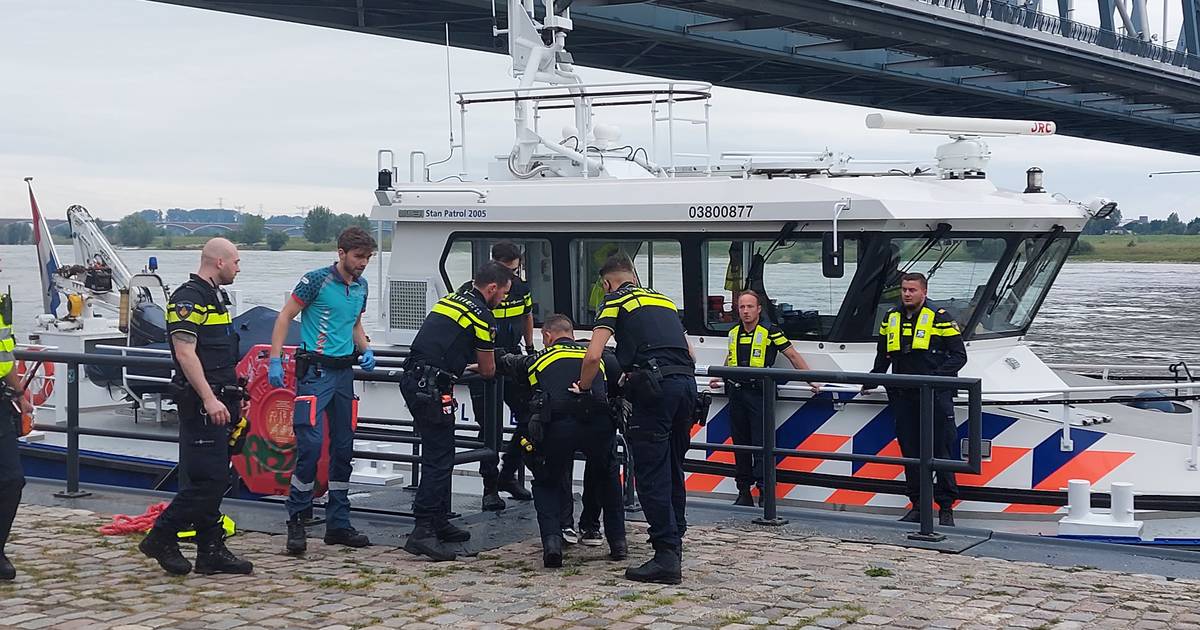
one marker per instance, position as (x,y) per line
(459,330)
(330,301)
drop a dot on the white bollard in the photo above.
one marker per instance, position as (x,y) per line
(1122,502)
(1079,499)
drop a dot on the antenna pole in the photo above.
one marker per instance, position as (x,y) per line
(449,91)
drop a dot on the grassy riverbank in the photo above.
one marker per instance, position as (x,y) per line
(1133,248)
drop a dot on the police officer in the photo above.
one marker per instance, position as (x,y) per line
(514,323)
(752,344)
(330,302)
(459,330)
(653,350)
(916,339)
(204,346)
(598,472)
(14,403)
(566,422)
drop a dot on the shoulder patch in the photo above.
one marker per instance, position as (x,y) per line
(183,309)
(941,310)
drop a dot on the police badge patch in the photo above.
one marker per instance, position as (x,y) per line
(183,309)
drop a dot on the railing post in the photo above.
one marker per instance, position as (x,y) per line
(628,481)
(1195,442)
(415,468)
(72,491)
(770,516)
(925,468)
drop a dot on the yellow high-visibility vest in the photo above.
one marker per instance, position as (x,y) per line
(758,346)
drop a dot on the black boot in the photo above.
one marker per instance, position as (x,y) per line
(449,532)
(492,502)
(7,570)
(164,548)
(946,517)
(213,557)
(618,549)
(911,516)
(552,553)
(744,498)
(297,538)
(347,536)
(423,541)
(513,488)
(663,568)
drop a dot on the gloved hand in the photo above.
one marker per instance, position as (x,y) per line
(367,359)
(275,372)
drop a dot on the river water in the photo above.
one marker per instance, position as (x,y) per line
(1096,312)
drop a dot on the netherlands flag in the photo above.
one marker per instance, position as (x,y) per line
(47,256)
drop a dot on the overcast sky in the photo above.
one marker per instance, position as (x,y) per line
(120,105)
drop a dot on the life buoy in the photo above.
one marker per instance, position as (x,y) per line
(40,388)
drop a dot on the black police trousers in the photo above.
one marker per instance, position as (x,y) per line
(746,429)
(598,473)
(906,406)
(658,435)
(566,434)
(12,476)
(203,474)
(510,455)
(432,501)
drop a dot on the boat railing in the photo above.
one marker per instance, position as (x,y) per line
(485,449)
(1067,396)
(663,100)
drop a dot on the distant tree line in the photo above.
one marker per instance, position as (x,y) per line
(16,234)
(1171,225)
(140,229)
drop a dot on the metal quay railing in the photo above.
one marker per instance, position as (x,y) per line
(926,462)
(483,449)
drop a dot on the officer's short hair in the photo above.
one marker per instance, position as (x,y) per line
(617,263)
(559,323)
(492,272)
(354,237)
(916,277)
(506,251)
(750,292)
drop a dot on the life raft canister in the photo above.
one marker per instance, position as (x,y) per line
(268,455)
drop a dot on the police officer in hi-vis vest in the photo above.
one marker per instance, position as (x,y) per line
(917,339)
(752,344)
(14,403)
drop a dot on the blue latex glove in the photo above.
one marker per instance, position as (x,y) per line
(367,360)
(275,372)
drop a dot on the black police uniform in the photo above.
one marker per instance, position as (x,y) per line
(598,472)
(198,308)
(652,348)
(570,422)
(745,400)
(945,356)
(12,481)
(458,326)
(510,316)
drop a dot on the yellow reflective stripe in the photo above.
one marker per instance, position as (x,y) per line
(649,300)
(465,320)
(8,345)
(462,308)
(545,360)
(6,367)
(891,329)
(200,319)
(609,311)
(502,312)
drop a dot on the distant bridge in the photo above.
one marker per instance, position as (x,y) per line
(174,228)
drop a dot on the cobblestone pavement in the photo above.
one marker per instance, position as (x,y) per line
(735,576)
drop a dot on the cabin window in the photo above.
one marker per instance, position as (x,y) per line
(657,262)
(466,253)
(798,296)
(958,270)
(1024,284)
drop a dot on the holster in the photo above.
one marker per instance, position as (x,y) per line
(427,384)
(700,412)
(538,415)
(643,384)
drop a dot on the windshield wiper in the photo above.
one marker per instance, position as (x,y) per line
(1033,263)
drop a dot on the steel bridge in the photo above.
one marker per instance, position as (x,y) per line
(984,58)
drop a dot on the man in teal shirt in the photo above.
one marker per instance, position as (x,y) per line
(331,301)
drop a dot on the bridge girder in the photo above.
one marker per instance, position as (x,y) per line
(903,54)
